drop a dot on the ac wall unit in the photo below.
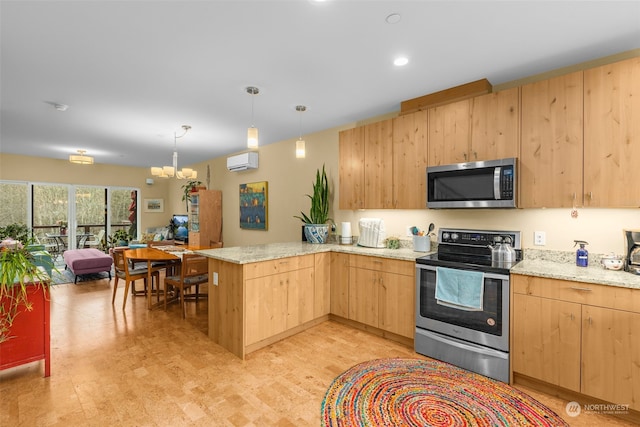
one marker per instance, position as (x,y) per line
(243,161)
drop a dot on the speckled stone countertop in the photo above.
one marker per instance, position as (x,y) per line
(257,253)
(561,265)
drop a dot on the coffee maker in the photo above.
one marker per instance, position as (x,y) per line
(632,251)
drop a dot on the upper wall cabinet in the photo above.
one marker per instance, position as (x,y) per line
(481,128)
(351,147)
(495,127)
(612,135)
(449,130)
(410,160)
(378,165)
(366,166)
(551,146)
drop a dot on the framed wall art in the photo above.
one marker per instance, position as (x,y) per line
(254,201)
(154,205)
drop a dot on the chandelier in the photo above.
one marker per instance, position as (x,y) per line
(171,171)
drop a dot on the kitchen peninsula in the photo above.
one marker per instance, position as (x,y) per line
(261,294)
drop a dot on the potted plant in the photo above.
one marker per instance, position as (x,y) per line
(190,187)
(24,307)
(119,238)
(316,228)
(63,224)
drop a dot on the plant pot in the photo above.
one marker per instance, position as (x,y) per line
(316,233)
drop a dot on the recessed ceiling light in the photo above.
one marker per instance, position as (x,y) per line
(401,61)
(394,18)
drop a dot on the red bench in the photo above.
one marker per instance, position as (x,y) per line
(86,261)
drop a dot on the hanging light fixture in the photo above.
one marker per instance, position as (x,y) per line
(300,150)
(252,132)
(81,158)
(171,171)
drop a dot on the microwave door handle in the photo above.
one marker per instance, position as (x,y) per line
(497,172)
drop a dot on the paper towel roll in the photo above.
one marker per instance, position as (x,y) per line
(345,238)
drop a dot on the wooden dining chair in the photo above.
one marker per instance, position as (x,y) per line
(194,271)
(124,271)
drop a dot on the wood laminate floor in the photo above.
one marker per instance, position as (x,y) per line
(151,368)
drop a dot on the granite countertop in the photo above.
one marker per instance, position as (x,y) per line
(561,265)
(266,252)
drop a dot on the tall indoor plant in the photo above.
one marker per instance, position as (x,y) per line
(316,228)
(18,272)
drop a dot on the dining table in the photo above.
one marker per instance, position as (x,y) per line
(153,254)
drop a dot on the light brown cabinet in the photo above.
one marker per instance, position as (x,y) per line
(280,296)
(378,165)
(612,134)
(351,159)
(205,219)
(366,166)
(485,127)
(551,149)
(578,336)
(547,340)
(410,160)
(340,284)
(382,294)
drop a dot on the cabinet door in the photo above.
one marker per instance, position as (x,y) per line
(551,146)
(495,131)
(300,297)
(378,171)
(322,286)
(397,304)
(546,340)
(210,217)
(449,133)
(410,151)
(612,134)
(351,147)
(266,307)
(340,284)
(363,296)
(611,355)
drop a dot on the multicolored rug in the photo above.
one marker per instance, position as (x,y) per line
(414,392)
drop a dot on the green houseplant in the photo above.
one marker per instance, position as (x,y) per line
(187,189)
(18,271)
(119,238)
(316,228)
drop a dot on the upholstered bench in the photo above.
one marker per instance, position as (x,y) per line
(85,261)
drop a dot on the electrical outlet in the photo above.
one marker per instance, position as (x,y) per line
(215,278)
(539,238)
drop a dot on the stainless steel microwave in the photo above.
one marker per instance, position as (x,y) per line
(488,184)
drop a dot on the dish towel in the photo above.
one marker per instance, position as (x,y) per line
(460,289)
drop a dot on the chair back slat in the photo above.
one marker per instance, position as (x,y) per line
(194,265)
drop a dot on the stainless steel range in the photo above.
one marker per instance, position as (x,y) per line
(462,301)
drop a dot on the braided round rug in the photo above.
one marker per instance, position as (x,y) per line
(414,392)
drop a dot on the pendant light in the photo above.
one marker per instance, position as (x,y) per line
(81,158)
(300,149)
(252,132)
(171,171)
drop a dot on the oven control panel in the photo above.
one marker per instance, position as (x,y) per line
(476,237)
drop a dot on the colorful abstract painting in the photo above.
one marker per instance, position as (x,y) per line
(254,201)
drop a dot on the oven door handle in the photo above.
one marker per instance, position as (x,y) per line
(486,275)
(469,346)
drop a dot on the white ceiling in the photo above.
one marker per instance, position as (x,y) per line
(133,72)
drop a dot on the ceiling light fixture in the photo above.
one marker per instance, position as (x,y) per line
(80,158)
(252,132)
(171,171)
(60,107)
(300,149)
(401,61)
